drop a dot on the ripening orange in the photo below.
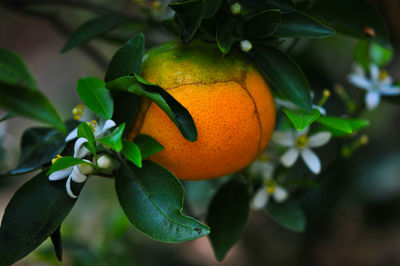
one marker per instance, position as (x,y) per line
(229,100)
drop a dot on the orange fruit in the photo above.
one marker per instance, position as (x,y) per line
(230,102)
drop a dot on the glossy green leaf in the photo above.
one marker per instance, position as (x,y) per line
(301,25)
(262,24)
(147,145)
(125,107)
(288,214)
(351,18)
(171,25)
(211,7)
(227,216)
(225,37)
(132,152)
(361,54)
(14,71)
(381,56)
(114,140)
(152,199)
(300,119)
(35,212)
(57,243)
(94,95)
(29,103)
(85,131)
(65,162)
(285,6)
(178,114)
(127,59)
(92,29)
(39,145)
(340,127)
(188,16)
(284,74)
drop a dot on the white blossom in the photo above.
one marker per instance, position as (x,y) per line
(246,46)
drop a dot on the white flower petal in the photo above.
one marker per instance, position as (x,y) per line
(319,139)
(283,138)
(260,199)
(280,194)
(107,125)
(390,90)
(359,81)
(87,115)
(311,160)
(79,150)
(72,135)
(290,157)
(372,99)
(320,109)
(374,72)
(77,176)
(68,188)
(58,175)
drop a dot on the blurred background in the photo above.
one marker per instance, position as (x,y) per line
(353,216)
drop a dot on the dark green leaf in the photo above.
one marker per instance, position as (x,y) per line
(300,119)
(132,153)
(14,71)
(361,54)
(7,117)
(152,198)
(188,16)
(147,145)
(284,74)
(85,131)
(39,145)
(114,140)
(35,212)
(92,29)
(352,18)
(125,107)
(285,6)
(225,37)
(127,59)
(171,25)
(94,95)
(211,7)
(29,103)
(288,214)
(227,216)
(381,56)
(301,25)
(65,162)
(178,114)
(262,24)
(57,243)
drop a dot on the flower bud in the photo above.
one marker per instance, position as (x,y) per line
(104,162)
(246,45)
(85,168)
(236,8)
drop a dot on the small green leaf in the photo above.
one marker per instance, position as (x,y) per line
(211,7)
(284,6)
(29,103)
(225,37)
(13,70)
(85,131)
(284,74)
(132,153)
(380,55)
(7,117)
(262,24)
(114,140)
(39,145)
(361,54)
(227,216)
(178,114)
(300,119)
(127,59)
(301,25)
(94,95)
(65,162)
(342,126)
(152,199)
(92,29)
(171,25)
(147,145)
(288,214)
(35,212)
(188,16)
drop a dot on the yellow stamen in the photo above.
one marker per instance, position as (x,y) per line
(264,157)
(302,141)
(93,124)
(383,74)
(77,112)
(270,186)
(56,158)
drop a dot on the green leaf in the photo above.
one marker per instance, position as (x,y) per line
(178,114)
(284,6)
(125,107)
(300,119)
(351,18)
(57,243)
(342,126)
(147,145)
(92,29)
(35,212)
(39,145)
(13,70)
(227,216)
(262,24)
(211,7)
(94,95)
(132,153)
(127,59)
(152,199)
(188,16)
(361,54)
(380,55)
(171,25)
(225,37)
(114,140)
(65,162)
(301,25)
(7,117)
(85,131)
(288,214)
(29,103)
(284,74)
